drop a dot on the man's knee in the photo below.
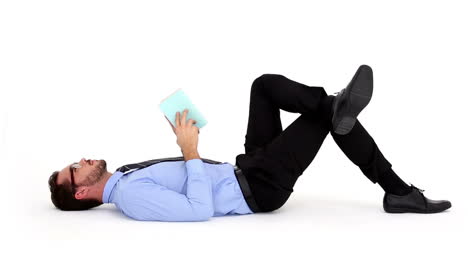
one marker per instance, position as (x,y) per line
(265,79)
(258,81)
(268,77)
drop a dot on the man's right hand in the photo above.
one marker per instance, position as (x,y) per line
(186,132)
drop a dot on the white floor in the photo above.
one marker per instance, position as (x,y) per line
(84,79)
(334,215)
(321,222)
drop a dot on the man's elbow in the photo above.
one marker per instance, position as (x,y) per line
(203,213)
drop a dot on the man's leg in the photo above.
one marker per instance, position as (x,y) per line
(362,150)
(274,159)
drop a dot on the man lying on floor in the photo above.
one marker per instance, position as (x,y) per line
(190,188)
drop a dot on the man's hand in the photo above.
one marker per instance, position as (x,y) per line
(173,128)
(186,132)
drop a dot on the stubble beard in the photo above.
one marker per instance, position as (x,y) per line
(97,174)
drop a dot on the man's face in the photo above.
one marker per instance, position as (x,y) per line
(90,173)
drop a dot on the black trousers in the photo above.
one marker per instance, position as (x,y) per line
(274,159)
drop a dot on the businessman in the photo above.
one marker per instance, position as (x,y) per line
(191,188)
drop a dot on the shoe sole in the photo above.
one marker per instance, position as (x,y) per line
(399,211)
(359,97)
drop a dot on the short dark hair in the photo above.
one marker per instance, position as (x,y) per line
(64,199)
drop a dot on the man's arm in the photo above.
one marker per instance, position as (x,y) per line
(149,201)
(158,203)
(190,154)
(187,136)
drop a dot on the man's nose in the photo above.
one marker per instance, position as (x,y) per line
(82,161)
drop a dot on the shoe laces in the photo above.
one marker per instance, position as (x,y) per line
(420,191)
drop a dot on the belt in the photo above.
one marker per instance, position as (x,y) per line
(246,189)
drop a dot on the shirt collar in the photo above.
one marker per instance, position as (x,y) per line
(110,184)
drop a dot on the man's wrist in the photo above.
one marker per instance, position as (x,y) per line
(190,154)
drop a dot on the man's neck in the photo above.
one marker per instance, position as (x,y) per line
(101,185)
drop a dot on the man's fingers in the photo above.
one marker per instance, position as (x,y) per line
(182,121)
(184,117)
(191,121)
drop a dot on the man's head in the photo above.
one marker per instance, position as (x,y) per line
(79,186)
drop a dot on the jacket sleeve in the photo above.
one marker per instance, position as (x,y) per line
(155,202)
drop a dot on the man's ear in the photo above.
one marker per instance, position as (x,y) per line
(81,193)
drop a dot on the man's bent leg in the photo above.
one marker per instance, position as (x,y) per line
(273,170)
(270,93)
(274,158)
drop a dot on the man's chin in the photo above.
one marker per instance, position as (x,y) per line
(103,164)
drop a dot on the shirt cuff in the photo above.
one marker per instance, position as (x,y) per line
(194,165)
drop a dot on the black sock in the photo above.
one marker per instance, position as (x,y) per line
(391,183)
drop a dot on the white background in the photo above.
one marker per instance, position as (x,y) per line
(84,79)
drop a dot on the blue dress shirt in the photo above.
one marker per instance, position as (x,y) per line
(190,190)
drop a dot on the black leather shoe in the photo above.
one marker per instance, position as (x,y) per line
(350,101)
(414,202)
